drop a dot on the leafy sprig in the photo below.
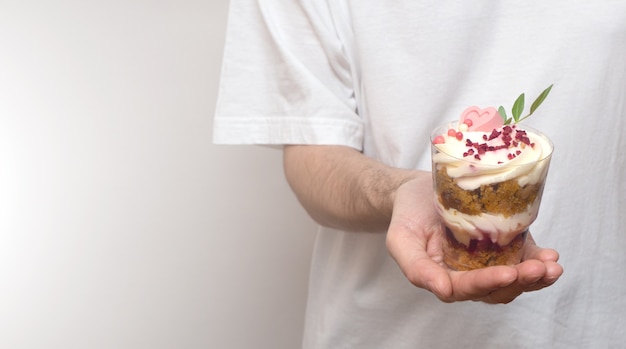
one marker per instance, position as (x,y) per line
(518,107)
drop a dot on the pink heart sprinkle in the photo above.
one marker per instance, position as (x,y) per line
(483,120)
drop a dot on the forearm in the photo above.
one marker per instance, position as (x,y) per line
(340,187)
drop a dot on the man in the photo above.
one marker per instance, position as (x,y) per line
(352,90)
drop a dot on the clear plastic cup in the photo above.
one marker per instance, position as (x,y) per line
(487,208)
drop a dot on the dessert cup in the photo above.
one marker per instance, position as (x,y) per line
(487,192)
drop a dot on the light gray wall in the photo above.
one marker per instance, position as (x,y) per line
(121,225)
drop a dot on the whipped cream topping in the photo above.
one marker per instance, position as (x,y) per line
(499,229)
(476,158)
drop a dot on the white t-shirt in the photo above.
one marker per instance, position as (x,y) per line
(378,76)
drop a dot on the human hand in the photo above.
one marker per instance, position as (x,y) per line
(414,240)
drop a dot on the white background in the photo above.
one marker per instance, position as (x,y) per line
(121,225)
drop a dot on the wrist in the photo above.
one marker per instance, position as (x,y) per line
(381,187)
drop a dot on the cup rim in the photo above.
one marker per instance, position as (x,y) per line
(437,131)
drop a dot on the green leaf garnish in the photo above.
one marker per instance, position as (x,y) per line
(502,113)
(518,107)
(540,99)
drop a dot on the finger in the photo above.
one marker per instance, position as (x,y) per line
(530,273)
(553,272)
(427,274)
(532,251)
(481,283)
(550,258)
(417,264)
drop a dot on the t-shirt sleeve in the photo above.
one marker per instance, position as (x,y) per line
(285,77)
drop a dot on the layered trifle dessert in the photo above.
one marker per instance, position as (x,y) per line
(489,173)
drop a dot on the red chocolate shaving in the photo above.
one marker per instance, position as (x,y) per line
(506,136)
